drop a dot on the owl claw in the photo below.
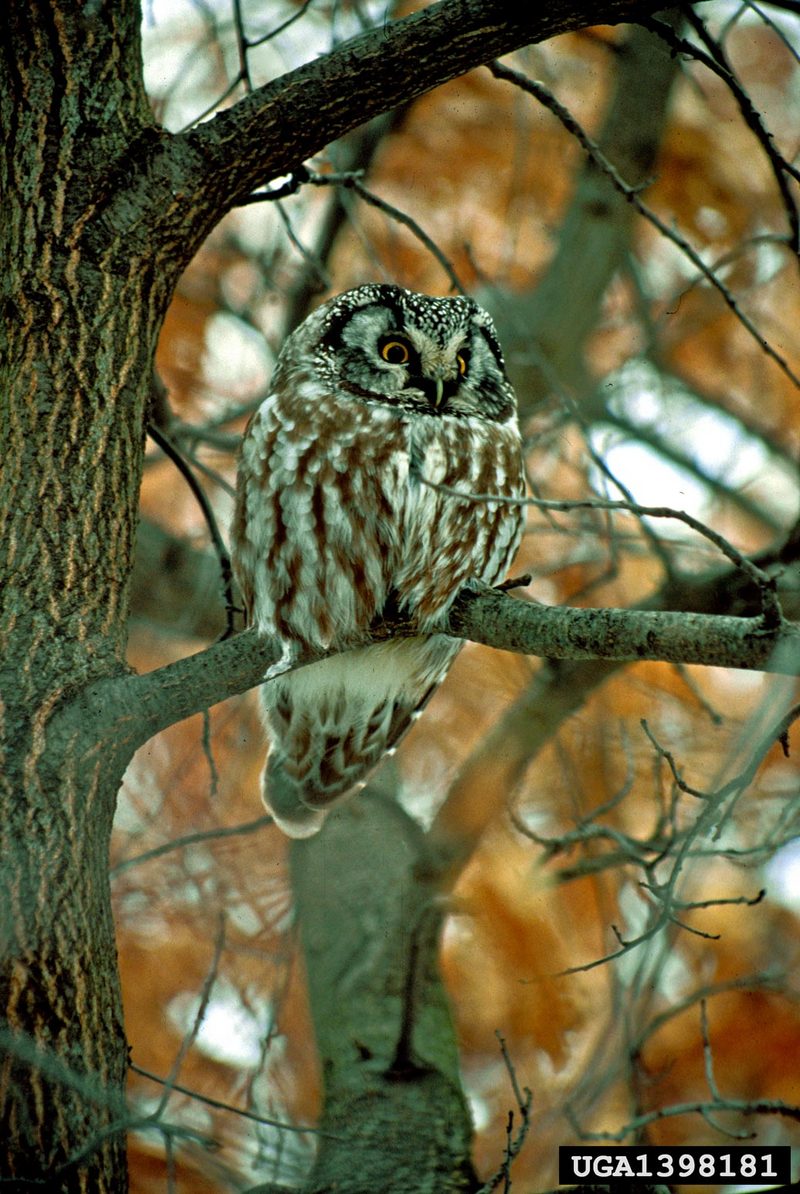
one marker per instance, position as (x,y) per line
(288,657)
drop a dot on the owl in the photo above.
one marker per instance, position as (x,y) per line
(379,391)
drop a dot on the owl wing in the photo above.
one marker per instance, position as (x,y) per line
(316,530)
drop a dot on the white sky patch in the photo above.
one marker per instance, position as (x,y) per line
(236,362)
(480,1110)
(714,441)
(141,796)
(737,682)
(652,480)
(176,73)
(182,67)
(782,876)
(230,1032)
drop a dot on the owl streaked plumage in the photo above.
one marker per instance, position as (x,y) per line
(376,390)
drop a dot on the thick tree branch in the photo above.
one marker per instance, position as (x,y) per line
(369,74)
(187,181)
(627,635)
(140,706)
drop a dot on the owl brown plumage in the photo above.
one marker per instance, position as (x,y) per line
(375,391)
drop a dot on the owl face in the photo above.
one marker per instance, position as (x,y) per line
(428,356)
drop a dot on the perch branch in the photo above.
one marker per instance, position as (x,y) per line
(140,706)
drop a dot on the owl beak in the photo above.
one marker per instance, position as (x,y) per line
(438,394)
(437,389)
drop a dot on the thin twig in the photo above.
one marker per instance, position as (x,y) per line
(221,1106)
(514,1143)
(776,29)
(190,1037)
(707,1109)
(706,820)
(771,610)
(264,37)
(352,181)
(242,45)
(208,751)
(669,759)
(191,839)
(311,260)
(717,63)
(169,449)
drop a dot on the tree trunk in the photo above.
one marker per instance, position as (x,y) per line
(369,923)
(78,335)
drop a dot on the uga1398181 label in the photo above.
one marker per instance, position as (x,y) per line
(695,1164)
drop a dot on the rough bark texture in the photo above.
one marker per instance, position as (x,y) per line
(77,340)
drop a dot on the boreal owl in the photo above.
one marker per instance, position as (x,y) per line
(379,391)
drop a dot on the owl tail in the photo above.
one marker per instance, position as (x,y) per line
(331,723)
(282,800)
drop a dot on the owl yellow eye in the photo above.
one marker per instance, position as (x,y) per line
(395,352)
(461,360)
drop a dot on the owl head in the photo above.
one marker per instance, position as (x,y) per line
(413,353)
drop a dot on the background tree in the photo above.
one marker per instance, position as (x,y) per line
(625,201)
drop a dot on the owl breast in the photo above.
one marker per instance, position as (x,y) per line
(335,515)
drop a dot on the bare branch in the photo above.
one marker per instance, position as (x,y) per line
(140,706)
(742,1107)
(514,1142)
(716,62)
(191,839)
(765,583)
(189,180)
(546,97)
(221,1106)
(400,217)
(160,437)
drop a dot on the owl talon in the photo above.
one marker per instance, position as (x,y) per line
(289,655)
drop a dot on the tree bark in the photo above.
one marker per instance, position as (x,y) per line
(77,343)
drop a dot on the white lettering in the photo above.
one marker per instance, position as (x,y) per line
(581,1166)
